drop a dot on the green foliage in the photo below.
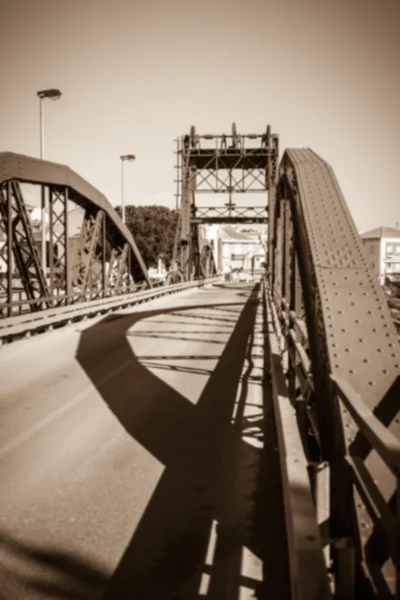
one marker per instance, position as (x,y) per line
(153,229)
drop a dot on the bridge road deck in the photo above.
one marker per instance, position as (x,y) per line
(138,456)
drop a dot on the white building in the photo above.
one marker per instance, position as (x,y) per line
(382,246)
(236,249)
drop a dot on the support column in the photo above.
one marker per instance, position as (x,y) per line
(58,242)
(68,272)
(52,242)
(103,256)
(9,250)
(287,251)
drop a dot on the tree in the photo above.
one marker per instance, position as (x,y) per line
(153,229)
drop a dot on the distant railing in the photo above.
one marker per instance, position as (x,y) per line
(23,305)
(43,320)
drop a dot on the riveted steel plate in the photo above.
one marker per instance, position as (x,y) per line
(360,331)
(361,340)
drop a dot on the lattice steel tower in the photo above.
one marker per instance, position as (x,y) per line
(220,164)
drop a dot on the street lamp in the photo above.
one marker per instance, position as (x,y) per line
(124,157)
(53,94)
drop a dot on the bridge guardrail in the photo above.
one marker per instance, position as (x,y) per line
(101,300)
(26,324)
(380,438)
(59,301)
(387,446)
(308,569)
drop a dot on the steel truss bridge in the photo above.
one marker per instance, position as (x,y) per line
(299,405)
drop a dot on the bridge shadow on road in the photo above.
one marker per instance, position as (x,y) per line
(48,572)
(207,471)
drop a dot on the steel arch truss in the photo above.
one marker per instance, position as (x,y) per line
(103,260)
(58,246)
(229,164)
(338,335)
(21,254)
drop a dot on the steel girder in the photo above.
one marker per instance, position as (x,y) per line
(186,228)
(231,164)
(101,268)
(59,273)
(24,269)
(337,323)
(91,272)
(205,266)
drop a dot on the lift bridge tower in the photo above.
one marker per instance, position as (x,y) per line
(209,165)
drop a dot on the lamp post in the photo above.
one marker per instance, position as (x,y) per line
(131,158)
(53,94)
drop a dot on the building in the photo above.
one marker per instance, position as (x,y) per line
(75,219)
(382,246)
(236,249)
(3,242)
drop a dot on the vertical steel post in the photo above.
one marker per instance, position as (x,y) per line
(122,192)
(43,198)
(109,273)
(320,480)
(129,267)
(277,254)
(397,537)
(271,210)
(297,294)
(67,246)
(186,229)
(9,250)
(103,256)
(51,241)
(43,209)
(178,174)
(345,569)
(287,237)
(41,124)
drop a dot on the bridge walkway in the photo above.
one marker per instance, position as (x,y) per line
(138,456)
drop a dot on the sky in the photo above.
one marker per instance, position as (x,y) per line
(136,74)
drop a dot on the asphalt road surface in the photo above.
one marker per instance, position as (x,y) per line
(138,456)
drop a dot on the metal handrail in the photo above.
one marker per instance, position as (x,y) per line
(308,571)
(20,325)
(381,439)
(95,295)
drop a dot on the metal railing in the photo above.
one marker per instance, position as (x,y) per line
(388,447)
(31,322)
(294,341)
(24,305)
(304,513)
